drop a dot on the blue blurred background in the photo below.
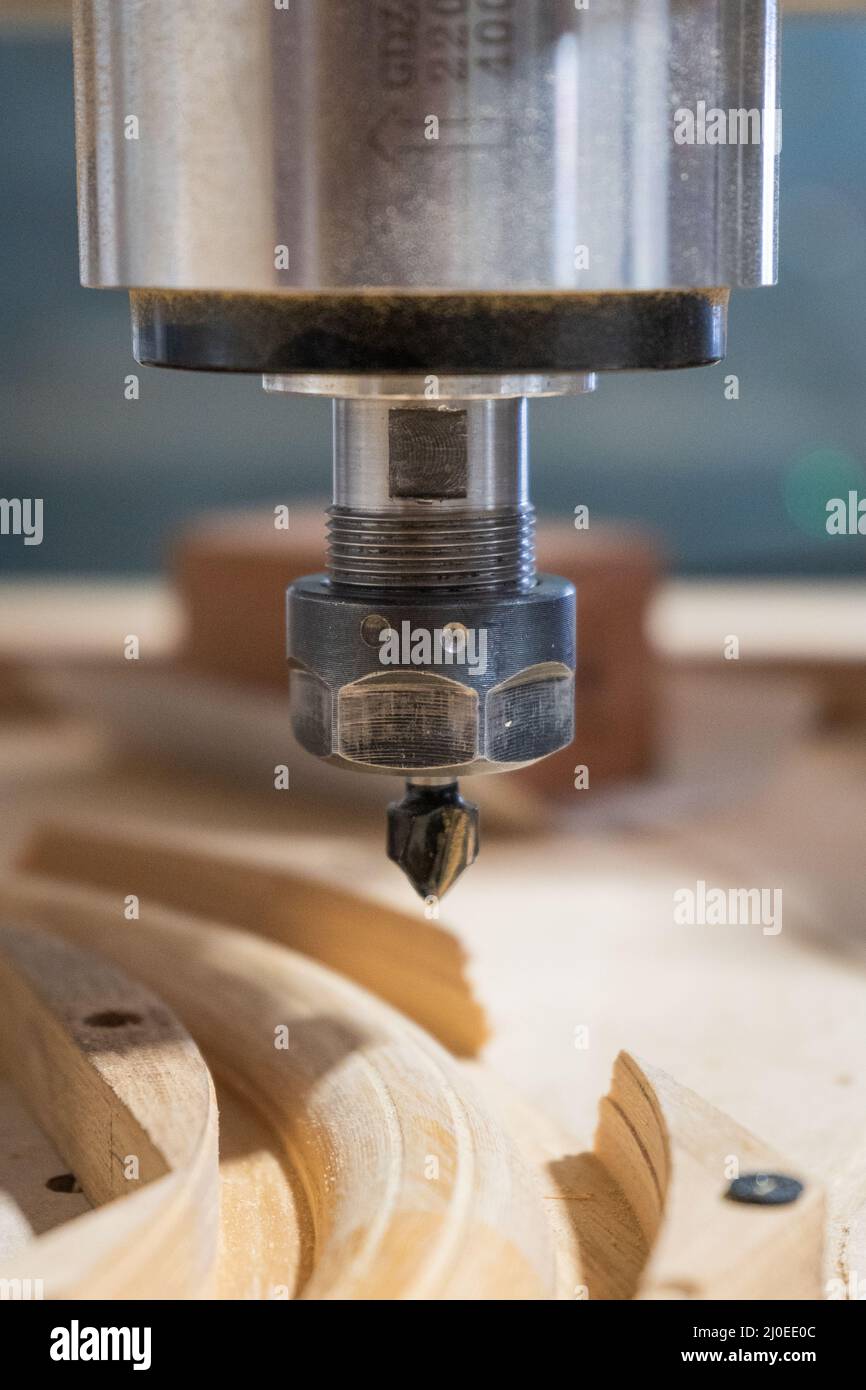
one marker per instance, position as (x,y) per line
(734,487)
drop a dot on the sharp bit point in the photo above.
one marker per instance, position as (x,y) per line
(433,836)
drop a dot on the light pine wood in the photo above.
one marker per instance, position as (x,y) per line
(29,1162)
(120,1089)
(642,1214)
(574,928)
(600,1247)
(412,1190)
(261,1252)
(266,1245)
(731,1012)
(672,1156)
(383,949)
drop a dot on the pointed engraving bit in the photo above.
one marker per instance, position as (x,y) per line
(433,836)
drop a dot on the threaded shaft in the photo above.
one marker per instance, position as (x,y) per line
(470,552)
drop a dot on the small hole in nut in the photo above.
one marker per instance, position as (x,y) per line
(372,629)
(111,1018)
(63,1182)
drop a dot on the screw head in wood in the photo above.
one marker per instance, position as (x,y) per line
(764,1189)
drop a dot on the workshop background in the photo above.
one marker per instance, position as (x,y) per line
(157,814)
(733,487)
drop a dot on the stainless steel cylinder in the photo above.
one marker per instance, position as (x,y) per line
(412,387)
(423,145)
(432,644)
(432,496)
(428,456)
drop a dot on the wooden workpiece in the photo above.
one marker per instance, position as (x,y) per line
(408,1188)
(670,1154)
(124,1096)
(412,963)
(405,1188)
(553,955)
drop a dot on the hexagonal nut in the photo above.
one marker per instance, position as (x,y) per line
(408,720)
(437,710)
(530,715)
(405,721)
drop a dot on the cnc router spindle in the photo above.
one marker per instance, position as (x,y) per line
(431,211)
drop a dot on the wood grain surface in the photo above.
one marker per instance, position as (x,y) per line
(121,1091)
(411,1189)
(565,938)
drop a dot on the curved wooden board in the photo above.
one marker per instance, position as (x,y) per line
(671,1156)
(121,1090)
(381,948)
(411,1189)
(265,1243)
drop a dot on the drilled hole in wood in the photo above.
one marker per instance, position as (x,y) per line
(63,1182)
(112,1018)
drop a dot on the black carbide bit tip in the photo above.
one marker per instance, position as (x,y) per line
(433,836)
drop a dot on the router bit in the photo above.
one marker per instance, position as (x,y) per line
(431,213)
(433,836)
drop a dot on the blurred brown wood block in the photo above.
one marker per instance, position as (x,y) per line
(232,572)
(616,572)
(17,697)
(36,11)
